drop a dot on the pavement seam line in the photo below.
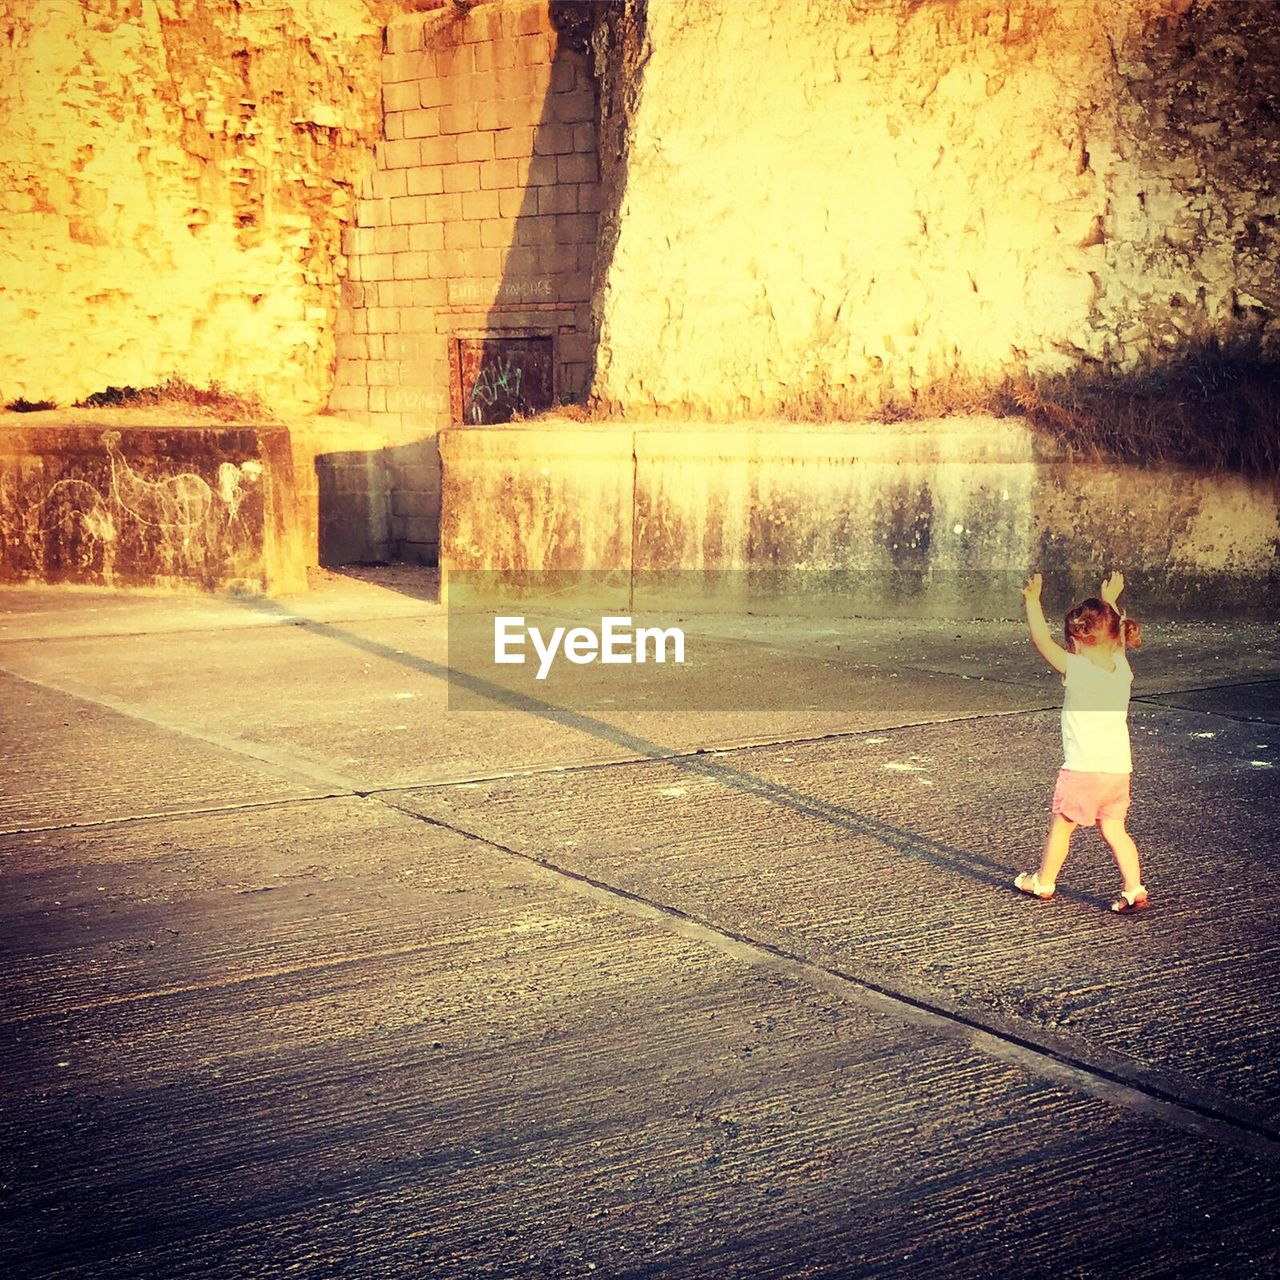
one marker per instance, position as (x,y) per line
(1110,1084)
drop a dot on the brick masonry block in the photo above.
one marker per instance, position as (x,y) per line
(433,92)
(575,288)
(350,399)
(542,171)
(461,235)
(533,51)
(511,203)
(550,140)
(480,204)
(461,177)
(475,146)
(444,208)
(388,183)
(423,123)
(565,74)
(420,318)
(488,117)
(400,154)
(409,209)
(558,259)
(590,197)
(399,97)
(523,263)
(459,118)
(536,231)
(558,199)
(390,239)
(577,168)
(499,173)
(496,233)
(587,257)
(409,266)
(513,143)
(393,125)
(424,236)
(378,266)
(451,59)
(584,138)
(423,181)
(438,151)
(575,107)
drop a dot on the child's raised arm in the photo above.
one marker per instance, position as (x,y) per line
(1052,652)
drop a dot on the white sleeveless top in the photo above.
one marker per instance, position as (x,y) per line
(1095,716)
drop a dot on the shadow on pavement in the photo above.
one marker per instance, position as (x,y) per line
(910,843)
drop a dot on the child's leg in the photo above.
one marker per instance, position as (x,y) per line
(1123,850)
(1057,845)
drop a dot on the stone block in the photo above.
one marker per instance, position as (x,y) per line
(584,138)
(399,97)
(499,173)
(398,155)
(549,140)
(513,143)
(475,146)
(558,199)
(410,266)
(590,197)
(424,236)
(458,118)
(461,235)
(578,167)
(512,203)
(444,208)
(409,209)
(439,151)
(480,204)
(423,123)
(575,107)
(496,233)
(388,183)
(461,177)
(424,181)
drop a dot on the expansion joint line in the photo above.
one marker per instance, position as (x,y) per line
(1119,1081)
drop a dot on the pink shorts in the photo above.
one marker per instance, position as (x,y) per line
(1087,798)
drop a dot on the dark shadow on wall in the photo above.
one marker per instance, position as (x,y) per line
(542,331)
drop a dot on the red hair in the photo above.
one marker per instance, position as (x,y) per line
(1093,620)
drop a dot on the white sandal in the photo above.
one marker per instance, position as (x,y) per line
(1029,882)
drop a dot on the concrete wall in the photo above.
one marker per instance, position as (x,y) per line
(173,182)
(93,503)
(830,207)
(478,219)
(941,517)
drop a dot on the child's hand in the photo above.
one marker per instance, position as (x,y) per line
(1111,589)
(1032,590)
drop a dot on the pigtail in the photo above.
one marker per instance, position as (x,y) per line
(1131,632)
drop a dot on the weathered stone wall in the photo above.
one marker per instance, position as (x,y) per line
(941,518)
(174,178)
(478,221)
(84,500)
(829,207)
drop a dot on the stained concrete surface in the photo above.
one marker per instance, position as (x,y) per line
(521,1001)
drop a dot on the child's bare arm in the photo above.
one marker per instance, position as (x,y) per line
(1110,591)
(1052,652)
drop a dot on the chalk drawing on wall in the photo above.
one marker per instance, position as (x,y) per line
(178,523)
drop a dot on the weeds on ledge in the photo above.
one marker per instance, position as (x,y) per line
(1216,408)
(177,393)
(23,405)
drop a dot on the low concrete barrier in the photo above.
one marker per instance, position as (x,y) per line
(195,507)
(939,518)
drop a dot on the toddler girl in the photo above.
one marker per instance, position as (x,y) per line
(1093,784)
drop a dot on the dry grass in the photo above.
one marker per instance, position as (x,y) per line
(23,405)
(180,395)
(1215,408)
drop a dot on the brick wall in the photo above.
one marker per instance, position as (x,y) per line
(479,218)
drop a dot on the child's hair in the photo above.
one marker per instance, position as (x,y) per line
(1093,620)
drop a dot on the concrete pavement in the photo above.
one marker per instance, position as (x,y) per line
(309,974)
